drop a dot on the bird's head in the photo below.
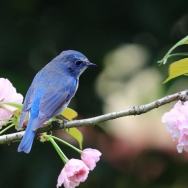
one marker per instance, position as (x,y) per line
(74,62)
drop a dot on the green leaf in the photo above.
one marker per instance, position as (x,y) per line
(16,105)
(181,42)
(75,133)
(16,118)
(69,113)
(17,113)
(178,68)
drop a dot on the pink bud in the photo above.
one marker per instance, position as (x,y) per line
(90,157)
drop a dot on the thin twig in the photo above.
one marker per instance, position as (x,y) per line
(135,110)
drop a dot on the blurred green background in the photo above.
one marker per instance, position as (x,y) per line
(125,38)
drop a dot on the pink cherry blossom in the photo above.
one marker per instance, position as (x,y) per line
(8,94)
(183,141)
(90,157)
(74,172)
(177,120)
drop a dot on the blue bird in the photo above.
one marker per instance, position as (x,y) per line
(50,92)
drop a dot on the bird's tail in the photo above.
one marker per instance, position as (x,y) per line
(27,140)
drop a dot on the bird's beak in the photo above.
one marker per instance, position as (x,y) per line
(91,64)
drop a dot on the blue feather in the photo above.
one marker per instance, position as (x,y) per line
(27,140)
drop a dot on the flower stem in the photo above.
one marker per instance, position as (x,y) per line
(5,129)
(66,143)
(178,54)
(61,154)
(2,106)
(4,119)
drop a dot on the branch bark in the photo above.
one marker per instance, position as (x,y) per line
(135,110)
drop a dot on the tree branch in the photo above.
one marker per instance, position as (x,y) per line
(135,110)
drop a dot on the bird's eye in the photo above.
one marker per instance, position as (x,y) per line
(78,62)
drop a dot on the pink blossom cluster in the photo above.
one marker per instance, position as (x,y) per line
(177,120)
(76,171)
(8,94)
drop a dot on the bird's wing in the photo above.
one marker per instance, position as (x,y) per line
(26,106)
(54,101)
